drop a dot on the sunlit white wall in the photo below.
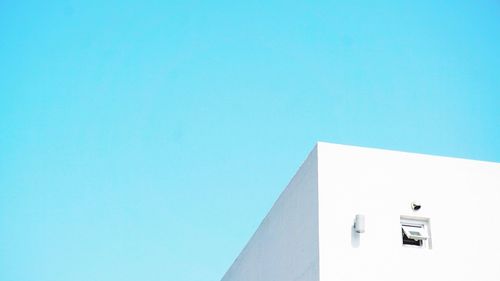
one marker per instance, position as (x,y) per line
(461,198)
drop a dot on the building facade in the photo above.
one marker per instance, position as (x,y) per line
(353,213)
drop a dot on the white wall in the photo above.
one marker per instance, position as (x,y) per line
(461,198)
(285,246)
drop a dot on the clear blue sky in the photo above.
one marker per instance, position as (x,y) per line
(146,140)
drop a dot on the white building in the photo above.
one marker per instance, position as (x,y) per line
(309,234)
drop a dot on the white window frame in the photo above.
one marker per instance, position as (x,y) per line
(420,225)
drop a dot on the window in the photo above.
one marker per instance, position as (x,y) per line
(415,232)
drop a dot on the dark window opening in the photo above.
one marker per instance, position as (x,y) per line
(409,241)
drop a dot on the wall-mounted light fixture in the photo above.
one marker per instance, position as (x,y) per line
(415,206)
(359,224)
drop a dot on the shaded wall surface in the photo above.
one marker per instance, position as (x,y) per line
(285,246)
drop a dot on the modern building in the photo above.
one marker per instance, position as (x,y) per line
(353,213)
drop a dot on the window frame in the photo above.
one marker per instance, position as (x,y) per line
(408,224)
